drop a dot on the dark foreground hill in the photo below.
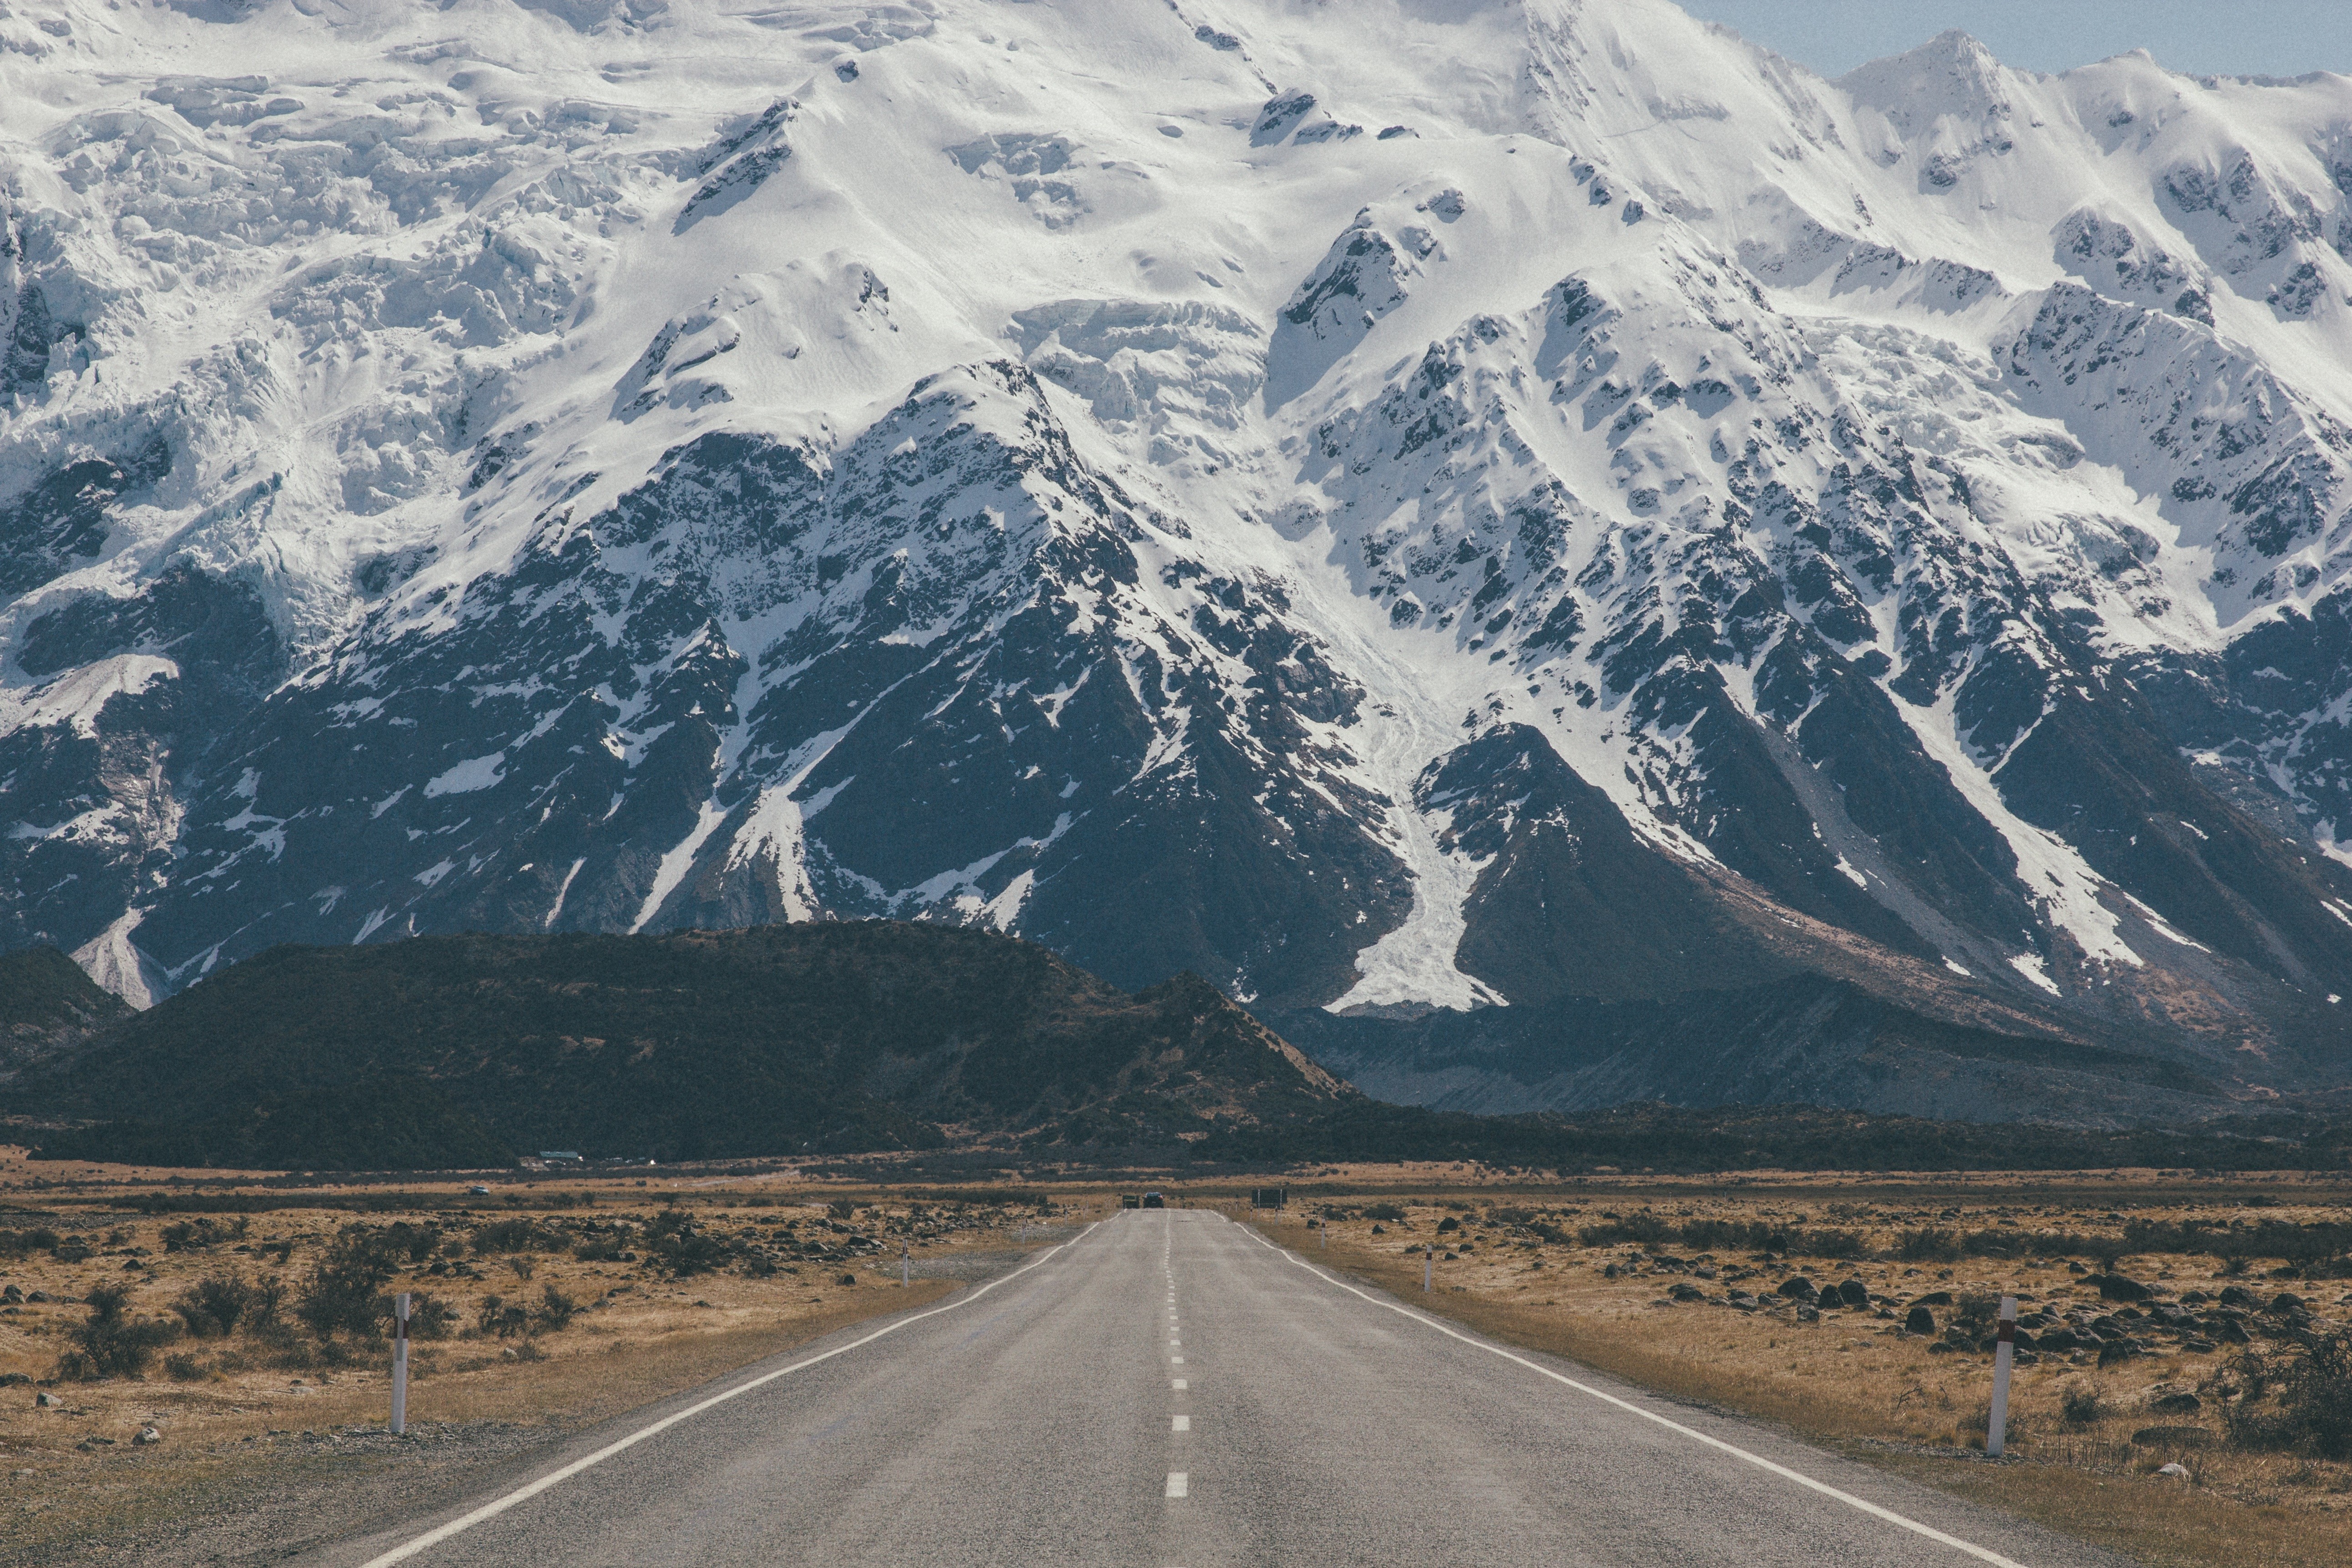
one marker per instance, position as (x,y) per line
(48,1004)
(827,1037)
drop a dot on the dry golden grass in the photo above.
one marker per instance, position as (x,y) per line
(1853,1382)
(240,1406)
(1849,1381)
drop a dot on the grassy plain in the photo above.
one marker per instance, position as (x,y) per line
(2085,1443)
(1526,1261)
(770,1263)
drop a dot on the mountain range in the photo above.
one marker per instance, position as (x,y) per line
(1558,550)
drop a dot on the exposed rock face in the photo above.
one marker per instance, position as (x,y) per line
(1889,531)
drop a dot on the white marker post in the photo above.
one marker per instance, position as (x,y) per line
(400,1364)
(906,1264)
(2001,1355)
(1428,1267)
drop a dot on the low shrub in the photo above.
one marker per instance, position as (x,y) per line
(430,1318)
(2314,1405)
(506,1320)
(218,1303)
(555,1311)
(191,1235)
(520,1233)
(17,1243)
(344,1290)
(677,1244)
(112,1343)
(1928,1245)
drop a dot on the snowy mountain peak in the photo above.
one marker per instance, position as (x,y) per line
(1949,76)
(1563,503)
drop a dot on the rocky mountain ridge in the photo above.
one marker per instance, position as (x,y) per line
(1568,506)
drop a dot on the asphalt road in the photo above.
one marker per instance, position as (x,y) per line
(1169,1391)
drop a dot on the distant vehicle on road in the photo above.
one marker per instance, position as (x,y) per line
(1152,1201)
(478,1191)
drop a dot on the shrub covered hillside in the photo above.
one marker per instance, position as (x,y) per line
(776,1040)
(46,1002)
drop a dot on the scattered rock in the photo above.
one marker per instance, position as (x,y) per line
(847,1280)
(2177,1404)
(48,1402)
(2179,1472)
(147,1435)
(2117,1287)
(1799,1289)
(1687,1292)
(1920,1321)
(1854,1293)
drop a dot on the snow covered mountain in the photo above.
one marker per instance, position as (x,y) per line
(1391,504)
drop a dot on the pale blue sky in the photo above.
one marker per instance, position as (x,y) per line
(2243,37)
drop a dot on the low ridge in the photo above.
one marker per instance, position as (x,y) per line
(814,1037)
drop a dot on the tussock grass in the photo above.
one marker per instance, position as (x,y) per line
(1852,1381)
(608,1321)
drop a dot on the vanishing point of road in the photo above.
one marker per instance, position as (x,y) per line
(1169,1391)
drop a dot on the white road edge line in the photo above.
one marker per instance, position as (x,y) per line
(1761,1463)
(491,1510)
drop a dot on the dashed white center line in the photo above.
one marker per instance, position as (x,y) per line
(1178,1484)
(1178,1386)
(1180,1424)
(1175,1360)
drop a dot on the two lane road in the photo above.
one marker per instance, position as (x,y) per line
(1169,1390)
